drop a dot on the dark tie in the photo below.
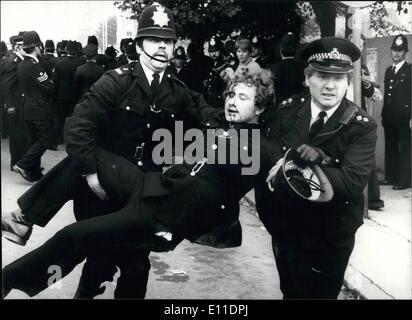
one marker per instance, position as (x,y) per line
(155,83)
(393,69)
(317,125)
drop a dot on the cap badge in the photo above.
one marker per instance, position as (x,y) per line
(399,41)
(160,17)
(334,54)
(254,40)
(212,42)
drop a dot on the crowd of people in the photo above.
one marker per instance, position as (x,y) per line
(127,205)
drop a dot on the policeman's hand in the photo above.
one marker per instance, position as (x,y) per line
(94,184)
(310,154)
(272,173)
(410,124)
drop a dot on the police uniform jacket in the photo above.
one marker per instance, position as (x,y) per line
(85,76)
(122,113)
(36,90)
(48,61)
(397,96)
(63,77)
(11,91)
(348,139)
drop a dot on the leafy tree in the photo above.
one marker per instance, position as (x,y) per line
(204,18)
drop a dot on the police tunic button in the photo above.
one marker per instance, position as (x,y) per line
(127,108)
(222,207)
(148,126)
(337,160)
(168,75)
(406,106)
(284,148)
(172,115)
(302,100)
(214,146)
(142,144)
(22,94)
(391,80)
(390,87)
(389,94)
(140,163)
(41,73)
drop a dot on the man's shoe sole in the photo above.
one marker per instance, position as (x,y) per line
(13,238)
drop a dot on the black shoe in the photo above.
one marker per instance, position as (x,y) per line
(386,183)
(25,174)
(15,228)
(376,205)
(400,187)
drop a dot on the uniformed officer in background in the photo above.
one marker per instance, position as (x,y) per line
(36,91)
(396,117)
(312,242)
(214,85)
(288,74)
(13,101)
(87,74)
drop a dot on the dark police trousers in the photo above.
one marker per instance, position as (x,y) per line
(17,138)
(311,273)
(45,198)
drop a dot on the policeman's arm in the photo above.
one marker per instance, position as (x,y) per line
(88,116)
(199,109)
(351,177)
(42,79)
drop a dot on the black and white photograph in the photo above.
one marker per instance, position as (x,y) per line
(218,152)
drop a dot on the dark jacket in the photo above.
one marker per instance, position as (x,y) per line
(85,76)
(348,138)
(288,78)
(397,96)
(36,90)
(48,62)
(10,88)
(63,77)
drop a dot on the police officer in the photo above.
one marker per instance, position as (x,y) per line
(178,66)
(214,84)
(312,242)
(396,117)
(87,74)
(120,114)
(13,102)
(63,77)
(122,58)
(48,58)
(288,73)
(259,54)
(36,91)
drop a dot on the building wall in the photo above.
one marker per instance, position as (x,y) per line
(379,48)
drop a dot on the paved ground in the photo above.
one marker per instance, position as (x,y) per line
(189,272)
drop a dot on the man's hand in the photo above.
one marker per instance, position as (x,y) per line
(310,154)
(410,124)
(94,184)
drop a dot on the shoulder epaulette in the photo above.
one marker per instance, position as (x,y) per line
(296,100)
(122,70)
(353,112)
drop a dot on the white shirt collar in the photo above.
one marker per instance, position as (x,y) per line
(149,73)
(314,109)
(33,57)
(398,66)
(19,55)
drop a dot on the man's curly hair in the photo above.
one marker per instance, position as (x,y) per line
(262,81)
